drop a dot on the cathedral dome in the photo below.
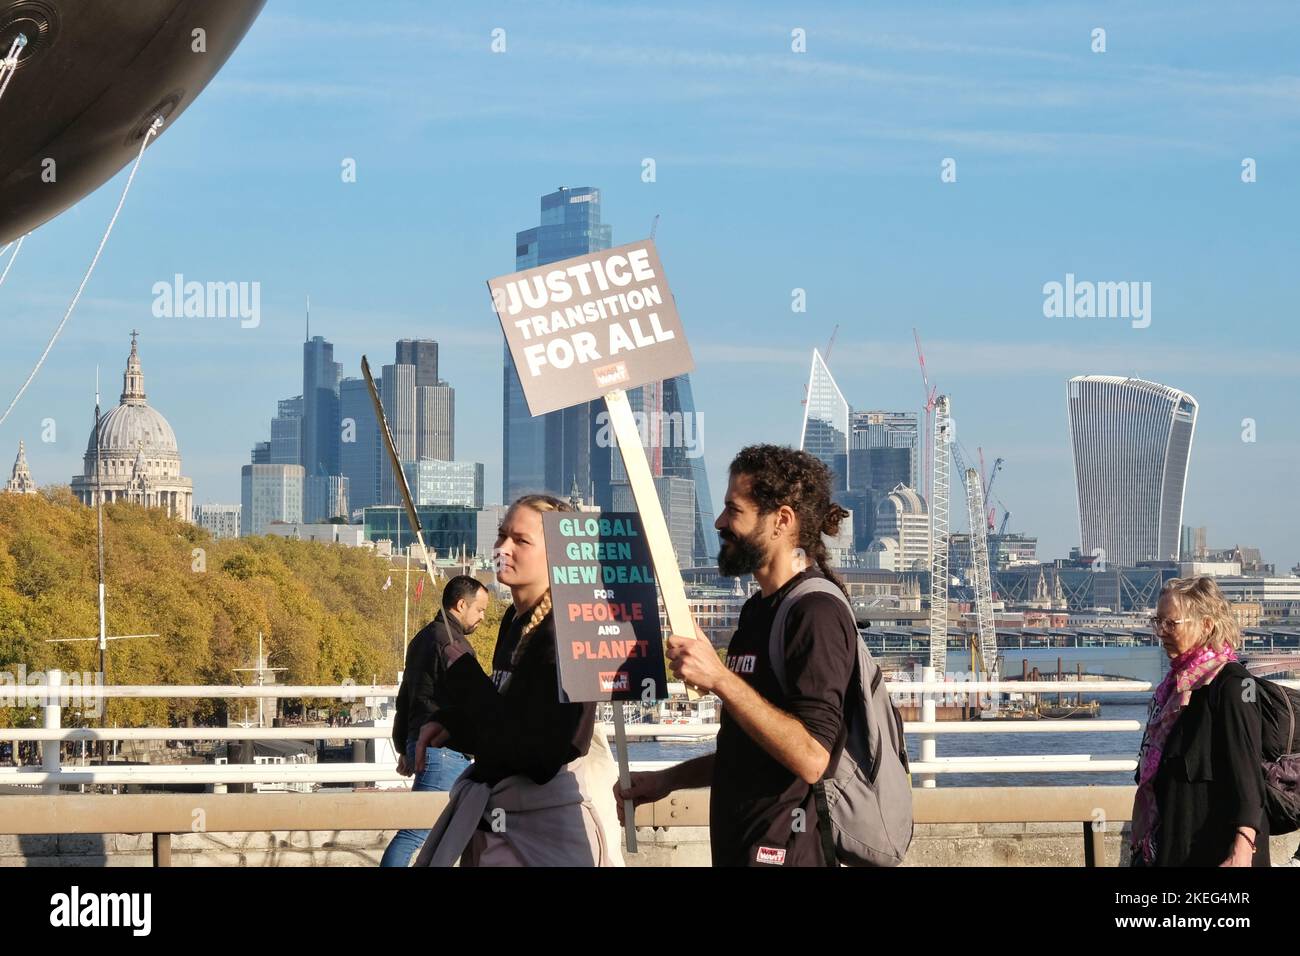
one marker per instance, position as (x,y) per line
(139,460)
(128,428)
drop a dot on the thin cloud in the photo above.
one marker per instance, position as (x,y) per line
(982,359)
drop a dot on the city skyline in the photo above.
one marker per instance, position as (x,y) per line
(857,218)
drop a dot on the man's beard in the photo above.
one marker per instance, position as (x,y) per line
(740,555)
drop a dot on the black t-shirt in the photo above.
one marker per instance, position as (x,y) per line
(753,803)
(519,726)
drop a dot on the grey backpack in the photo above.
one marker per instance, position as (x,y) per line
(867,797)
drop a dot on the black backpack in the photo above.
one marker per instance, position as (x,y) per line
(1279,707)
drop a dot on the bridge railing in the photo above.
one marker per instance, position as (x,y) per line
(1097,811)
(929,692)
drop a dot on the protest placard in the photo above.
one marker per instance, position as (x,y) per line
(581,327)
(608,641)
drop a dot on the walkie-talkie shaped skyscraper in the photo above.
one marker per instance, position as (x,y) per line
(1131,440)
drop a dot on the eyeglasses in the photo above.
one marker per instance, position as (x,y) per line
(1160,623)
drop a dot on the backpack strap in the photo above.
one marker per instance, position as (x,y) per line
(776,654)
(776,643)
(824,825)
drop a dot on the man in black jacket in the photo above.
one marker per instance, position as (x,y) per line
(464,603)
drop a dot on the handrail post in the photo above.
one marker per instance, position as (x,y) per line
(1094,845)
(51,749)
(928,741)
(162,849)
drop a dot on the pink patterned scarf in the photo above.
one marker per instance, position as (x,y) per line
(1187,672)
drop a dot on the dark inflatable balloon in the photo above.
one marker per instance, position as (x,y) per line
(90,80)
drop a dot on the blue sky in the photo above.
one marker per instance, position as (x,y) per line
(775,170)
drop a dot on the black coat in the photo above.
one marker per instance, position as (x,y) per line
(425,664)
(529,727)
(1210,780)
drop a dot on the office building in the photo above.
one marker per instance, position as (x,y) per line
(221,521)
(488,523)
(446,483)
(423,354)
(446,530)
(435,417)
(548,453)
(825,433)
(349,535)
(320,408)
(677,501)
(683,457)
(286,432)
(903,517)
(324,497)
(397,392)
(269,493)
(884,449)
(1132,440)
(360,448)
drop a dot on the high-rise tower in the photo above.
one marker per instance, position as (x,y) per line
(1132,440)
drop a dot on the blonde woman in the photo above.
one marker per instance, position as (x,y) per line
(1200,796)
(540,789)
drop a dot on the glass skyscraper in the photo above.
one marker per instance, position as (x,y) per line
(320,407)
(359,457)
(683,457)
(286,432)
(1132,440)
(884,449)
(397,394)
(826,422)
(423,354)
(549,453)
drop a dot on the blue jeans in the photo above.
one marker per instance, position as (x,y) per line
(441,768)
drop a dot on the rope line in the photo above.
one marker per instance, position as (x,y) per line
(9,265)
(10,63)
(152,131)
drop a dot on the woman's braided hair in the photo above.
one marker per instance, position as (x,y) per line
(540,504)
(778,476)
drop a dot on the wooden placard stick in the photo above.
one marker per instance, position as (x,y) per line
(637,466)
(398,474)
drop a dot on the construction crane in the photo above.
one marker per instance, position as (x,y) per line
(984,645)
(1002,529)
(979,550)
(930,398)
(939,446)
(988,491)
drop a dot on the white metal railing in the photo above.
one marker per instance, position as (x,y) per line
(928,692)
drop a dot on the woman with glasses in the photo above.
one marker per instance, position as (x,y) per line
(1200,795)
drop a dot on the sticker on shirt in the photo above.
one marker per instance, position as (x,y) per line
(770,854)
(742,663)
